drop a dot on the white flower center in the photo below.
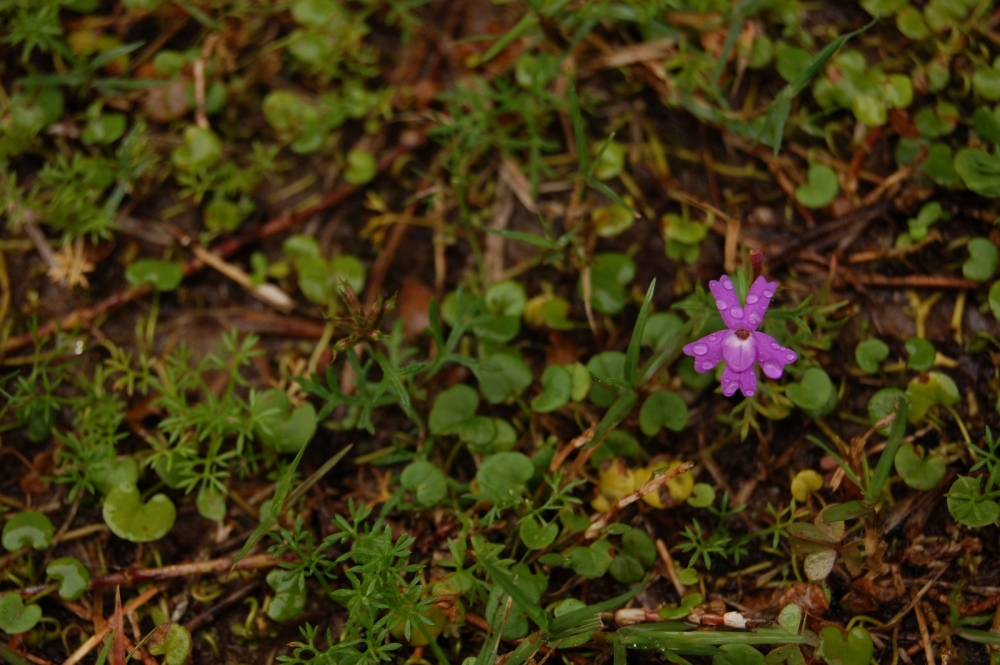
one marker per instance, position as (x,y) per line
(739,351)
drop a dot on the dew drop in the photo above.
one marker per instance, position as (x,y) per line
(712,337)
(748,393)
(791,357)
(752,299)
(768,294)
(728,283)
(721,304)
(699,349)
(754,320)
(706,366)
(736,313)
(775,346)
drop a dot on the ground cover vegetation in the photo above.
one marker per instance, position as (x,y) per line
(410,331)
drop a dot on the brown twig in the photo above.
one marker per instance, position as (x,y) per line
(98,636)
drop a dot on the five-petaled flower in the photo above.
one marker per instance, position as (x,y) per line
(741,344)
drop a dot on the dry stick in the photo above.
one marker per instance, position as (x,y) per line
(97,637)
(925,637)
(668,563)
(277,225)
(917,281)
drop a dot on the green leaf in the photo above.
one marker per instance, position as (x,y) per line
(277,425)
(982,262)
(870,353)
(987,125)
(994,298)
(738,654)
(702,495)
(928,390)
(609,274)
(131,519)
(813,393)
(15,616)
(918,470)
(821,189)
(663,409)
(910,22)
(967,504)
(639,544)
(211,503)
(607,366)
(452,409)
(940,166)
(506,298)
(591,562)
(791,62)
(537,535)
(290,594)
(176,645)
(106,128)
(610,161)
(72,575)
(502,478)
(921,353)
(882,7)
(361,167)
(29,528)
(523,598)
(986,83)
(979,170)
(160,275)
(502,375)
(635,342)
(855,648)
(557,385)
(873,492)
(201,150)
(426,481)
(881,404)
(626,569)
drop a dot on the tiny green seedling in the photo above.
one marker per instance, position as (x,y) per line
(29,528)
(160,275)
(609,275)
(820,190)
(15,616)
(502,477)
(175,646)
(853,648)
(929,390)
(557,388)
(921,354)
(290,595)
(917,469)
(285,429)
(426,481)
(814,393)
(72,575)
(131,519)
(663,408)
(982,262)
(870,353)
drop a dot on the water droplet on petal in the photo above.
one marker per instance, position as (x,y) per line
(736,312)
(721,304)
(768,294)
(728,283)
(748,393)
(791,357)
(754,320)
(712,337)
(706,366)
(699,349)
(775,346)
(752,299)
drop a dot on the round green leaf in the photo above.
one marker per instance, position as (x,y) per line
(161,275)
(605,366)
(660,328)
(566,606)
(626,569)
(290,594)
(979,170)
(870,110)
(639,544)
(917,470)
(702,495)
(940,166)
(814,392)
(361,167)
(967,504)
(663,409)
(452,408)
(986,83)
(201,150)
(502,375)
(911,23)
(278,425)
(882,403)
(610,161)
(738,654)
(882,7)
(537,535)
(610,221)
(855,648)
(821,189)
(791,61)
(557,385)
(870,353)
(72,575)
(222,215)
(982,262)
(921,352)
(502,477)
(506,298)
(928,390)
(175,647)
(591,562)
(15,616)
(131,519)
(211,503)
(29,528)
(609,274)
(994,298)
(105,128)
(426,481)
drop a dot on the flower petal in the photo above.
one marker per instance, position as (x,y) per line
(738,353)
(745,381)
(758,300)
(772,356)
(707,351)
(728,302)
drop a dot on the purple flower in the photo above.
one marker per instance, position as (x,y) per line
(741,344)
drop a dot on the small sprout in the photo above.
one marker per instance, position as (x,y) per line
(222,215)
(289,594)
(921,353)
(609,275)
(211,503)
(174,645)
(548,311)
(29,528)
(611,160)
(967,504)
(279,426)
(361,167)
(15,616)
(918,470)
(854,648)
(72,575)
(610,221)
(702,496)
(663,409)
(557,386)
(821,189)
(683,237)
(804,483)
(983,256)
(131,519)
(929,390)
(928,215)
(980,171)
(161,275)
(537,535)
(201,150)
(933,123)
(688,602)
(502,477)
(426,481)
(741,345)
(815,393)
(870,353)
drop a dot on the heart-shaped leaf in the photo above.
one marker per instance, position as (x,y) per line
(72,575)
(503,375)
(535,534)
(821,188)
(663,409)
(921,352)
(870,353)
(502,477)
(361,167)
(175,644)
(814,394)
(982,261)
(819,564)
(131,519)
(211,502)
(609,274)
(160,275)
(280,427)
(452,409)
(979,170)
(928,390)
(111,471)
(856,648)
(557,386)
(917,470)
(290,594)
(29,528)
(967,504)
(15,616)
(426,481)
